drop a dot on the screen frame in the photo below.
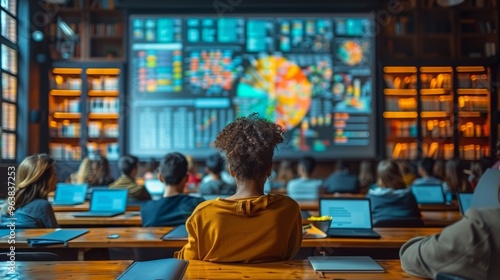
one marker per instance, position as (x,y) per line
(347,199)
(373,148)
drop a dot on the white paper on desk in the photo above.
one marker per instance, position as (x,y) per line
(313,232)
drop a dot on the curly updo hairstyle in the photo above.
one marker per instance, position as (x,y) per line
(249,144)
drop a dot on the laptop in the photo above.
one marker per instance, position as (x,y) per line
(464,200)
(106,203)
(428,194)
(345,264)
(351,217)
(154,187)
(70,194)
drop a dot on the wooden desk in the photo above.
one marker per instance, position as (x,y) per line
(85,207)
(138,237)
(128,219)
(104,270)
(88,270)
(440,218)
(313,205)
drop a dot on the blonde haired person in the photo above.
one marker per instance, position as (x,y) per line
(35,179)
(82,174)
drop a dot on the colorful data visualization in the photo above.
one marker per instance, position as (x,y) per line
(191,75)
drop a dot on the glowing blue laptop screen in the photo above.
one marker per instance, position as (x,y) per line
(108,200)
(428,194)
(70,192)
(465,200)
(347,213)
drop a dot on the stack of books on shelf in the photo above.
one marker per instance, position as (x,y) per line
(68,106)
(65,130)
(104,105)
(65,152)
(437,129)
(58,82)
(104,83)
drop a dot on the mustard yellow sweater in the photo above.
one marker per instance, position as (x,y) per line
(259,229)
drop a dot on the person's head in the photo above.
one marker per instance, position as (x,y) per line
(438,169)
(128,165)
(389,175)
(152,165)
(35,178)
(100,172)
(249,144)
(285,171)
(425,167)
(191,165)
(173,171)
(455,176)
(366,177)
(215,163)
(82,174)
(341,165)
(306,166)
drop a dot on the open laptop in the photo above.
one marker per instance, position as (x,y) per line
(351,217)
(70,194)
(464,200)
(106,203)
(428,194)
(154,187)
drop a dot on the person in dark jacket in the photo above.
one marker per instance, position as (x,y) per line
(342,180)
(390,199)
(215,185)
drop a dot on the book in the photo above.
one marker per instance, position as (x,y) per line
(58,237)
(162,269)
(345,264)
(177,233)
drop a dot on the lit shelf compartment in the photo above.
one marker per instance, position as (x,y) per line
(65,92)
(434,91)
(103,93)
(400,92)
(400,115)
(109,116)
(476,114)
(473,91)
(64,115)
(435,114)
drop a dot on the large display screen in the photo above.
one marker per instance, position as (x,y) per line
(190,75)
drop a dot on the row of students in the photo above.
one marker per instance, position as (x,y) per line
(251,227)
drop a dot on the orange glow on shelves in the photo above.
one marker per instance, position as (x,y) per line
(433,91)
(400,69)
(65,92)
(471,69)
(472,91)
(103,115)
(441,69)
(397,115)
(392,91)
(434,114)
(104,93)
(103,71)
(67,71)
(63,115)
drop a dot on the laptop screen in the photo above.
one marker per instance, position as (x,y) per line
(347,213)
(154,187)
(464,200)
(108,200)
(428,194)
(70,192)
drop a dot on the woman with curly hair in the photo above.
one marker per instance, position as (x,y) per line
(247,227)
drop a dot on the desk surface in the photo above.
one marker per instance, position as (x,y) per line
(150,237)
(104,270)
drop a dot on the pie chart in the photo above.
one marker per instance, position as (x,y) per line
(277,89)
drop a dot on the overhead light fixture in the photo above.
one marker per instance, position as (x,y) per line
(449,3)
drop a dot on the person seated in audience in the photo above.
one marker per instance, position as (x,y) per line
(128,166)
(425,170)
(304,187)
(194,177)
(215,185)
(407,171)
(82,174)
(366,178)
(284,174)
(477,170)
(35,179)
(174,207)
(470,248)
(438,169)
(391,199)
(456,179)
(151,170)
(342,180)
(248,227)
(100,174)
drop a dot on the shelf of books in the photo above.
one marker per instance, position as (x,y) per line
(474,112)
(436,111)
(400,114)
(84,113)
